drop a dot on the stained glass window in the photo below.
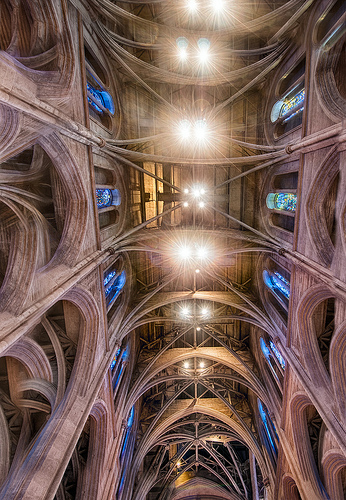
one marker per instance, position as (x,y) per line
(277,354)
(100,100)
(282,201)
(268,425)
(113,285)
(292,103)
(107,197)
(276,282)
(265,349)
(114,362)
(104,198)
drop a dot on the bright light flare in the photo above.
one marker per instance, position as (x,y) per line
(192,5)
(182,44)
(201,204)
(197,271)
(202,364)
(186,364)
(205,311)
(203,45)
(217,5)
(198,328)
(201,130)
(185,311)
(185,204)
(184,252)
(184,129)
(202,253)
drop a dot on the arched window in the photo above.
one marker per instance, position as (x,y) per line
(286,113)
(113,284)
(114,362)
(128,430)
(279,285)
(277,354)
(274,360)
(100,100)
(107,197)
(271,437)
(101,104)
(117,367)
(282,201)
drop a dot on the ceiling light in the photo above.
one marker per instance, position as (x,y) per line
(197,271)
(203,45)
(185,129)
(202,252)
(186,364)
(201,130)
(178,464)
(201,204)
(184,252)
(198,328)
(202,364)
(185,204)
(204,311)
(217,5)
(185,311)
(186,191)
(182,44)
(192,5)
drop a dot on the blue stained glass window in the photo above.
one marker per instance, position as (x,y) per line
(100,97)
(108,277)
(276,282)
(114,362)
(104,198)
(113,285)
(265,349)
(267,424)
(282,201)
(292,103)
(277,354)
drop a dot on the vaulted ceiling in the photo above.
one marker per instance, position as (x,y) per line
(193,144)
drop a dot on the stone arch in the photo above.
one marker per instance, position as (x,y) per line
(334,464)
(317,199)
(299,403)
(308,341)
(289,488)
(338,367)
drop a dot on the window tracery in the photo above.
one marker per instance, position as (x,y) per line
(113,284)
(286,112)
(277,283)
(107,197)
(282,201)
(270,431)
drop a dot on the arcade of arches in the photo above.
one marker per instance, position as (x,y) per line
(172,242)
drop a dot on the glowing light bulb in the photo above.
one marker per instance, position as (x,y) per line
(202,253)
(184,129)
(201,204)
(178,464)
(203,45)
(198,328)
(202,365)
(185,204)
(217,5)
(186,191)
(197,271)
(204,311)
(192,5)
(186,364)
(184,252)
(185,311)
(201,130)
(182,44)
